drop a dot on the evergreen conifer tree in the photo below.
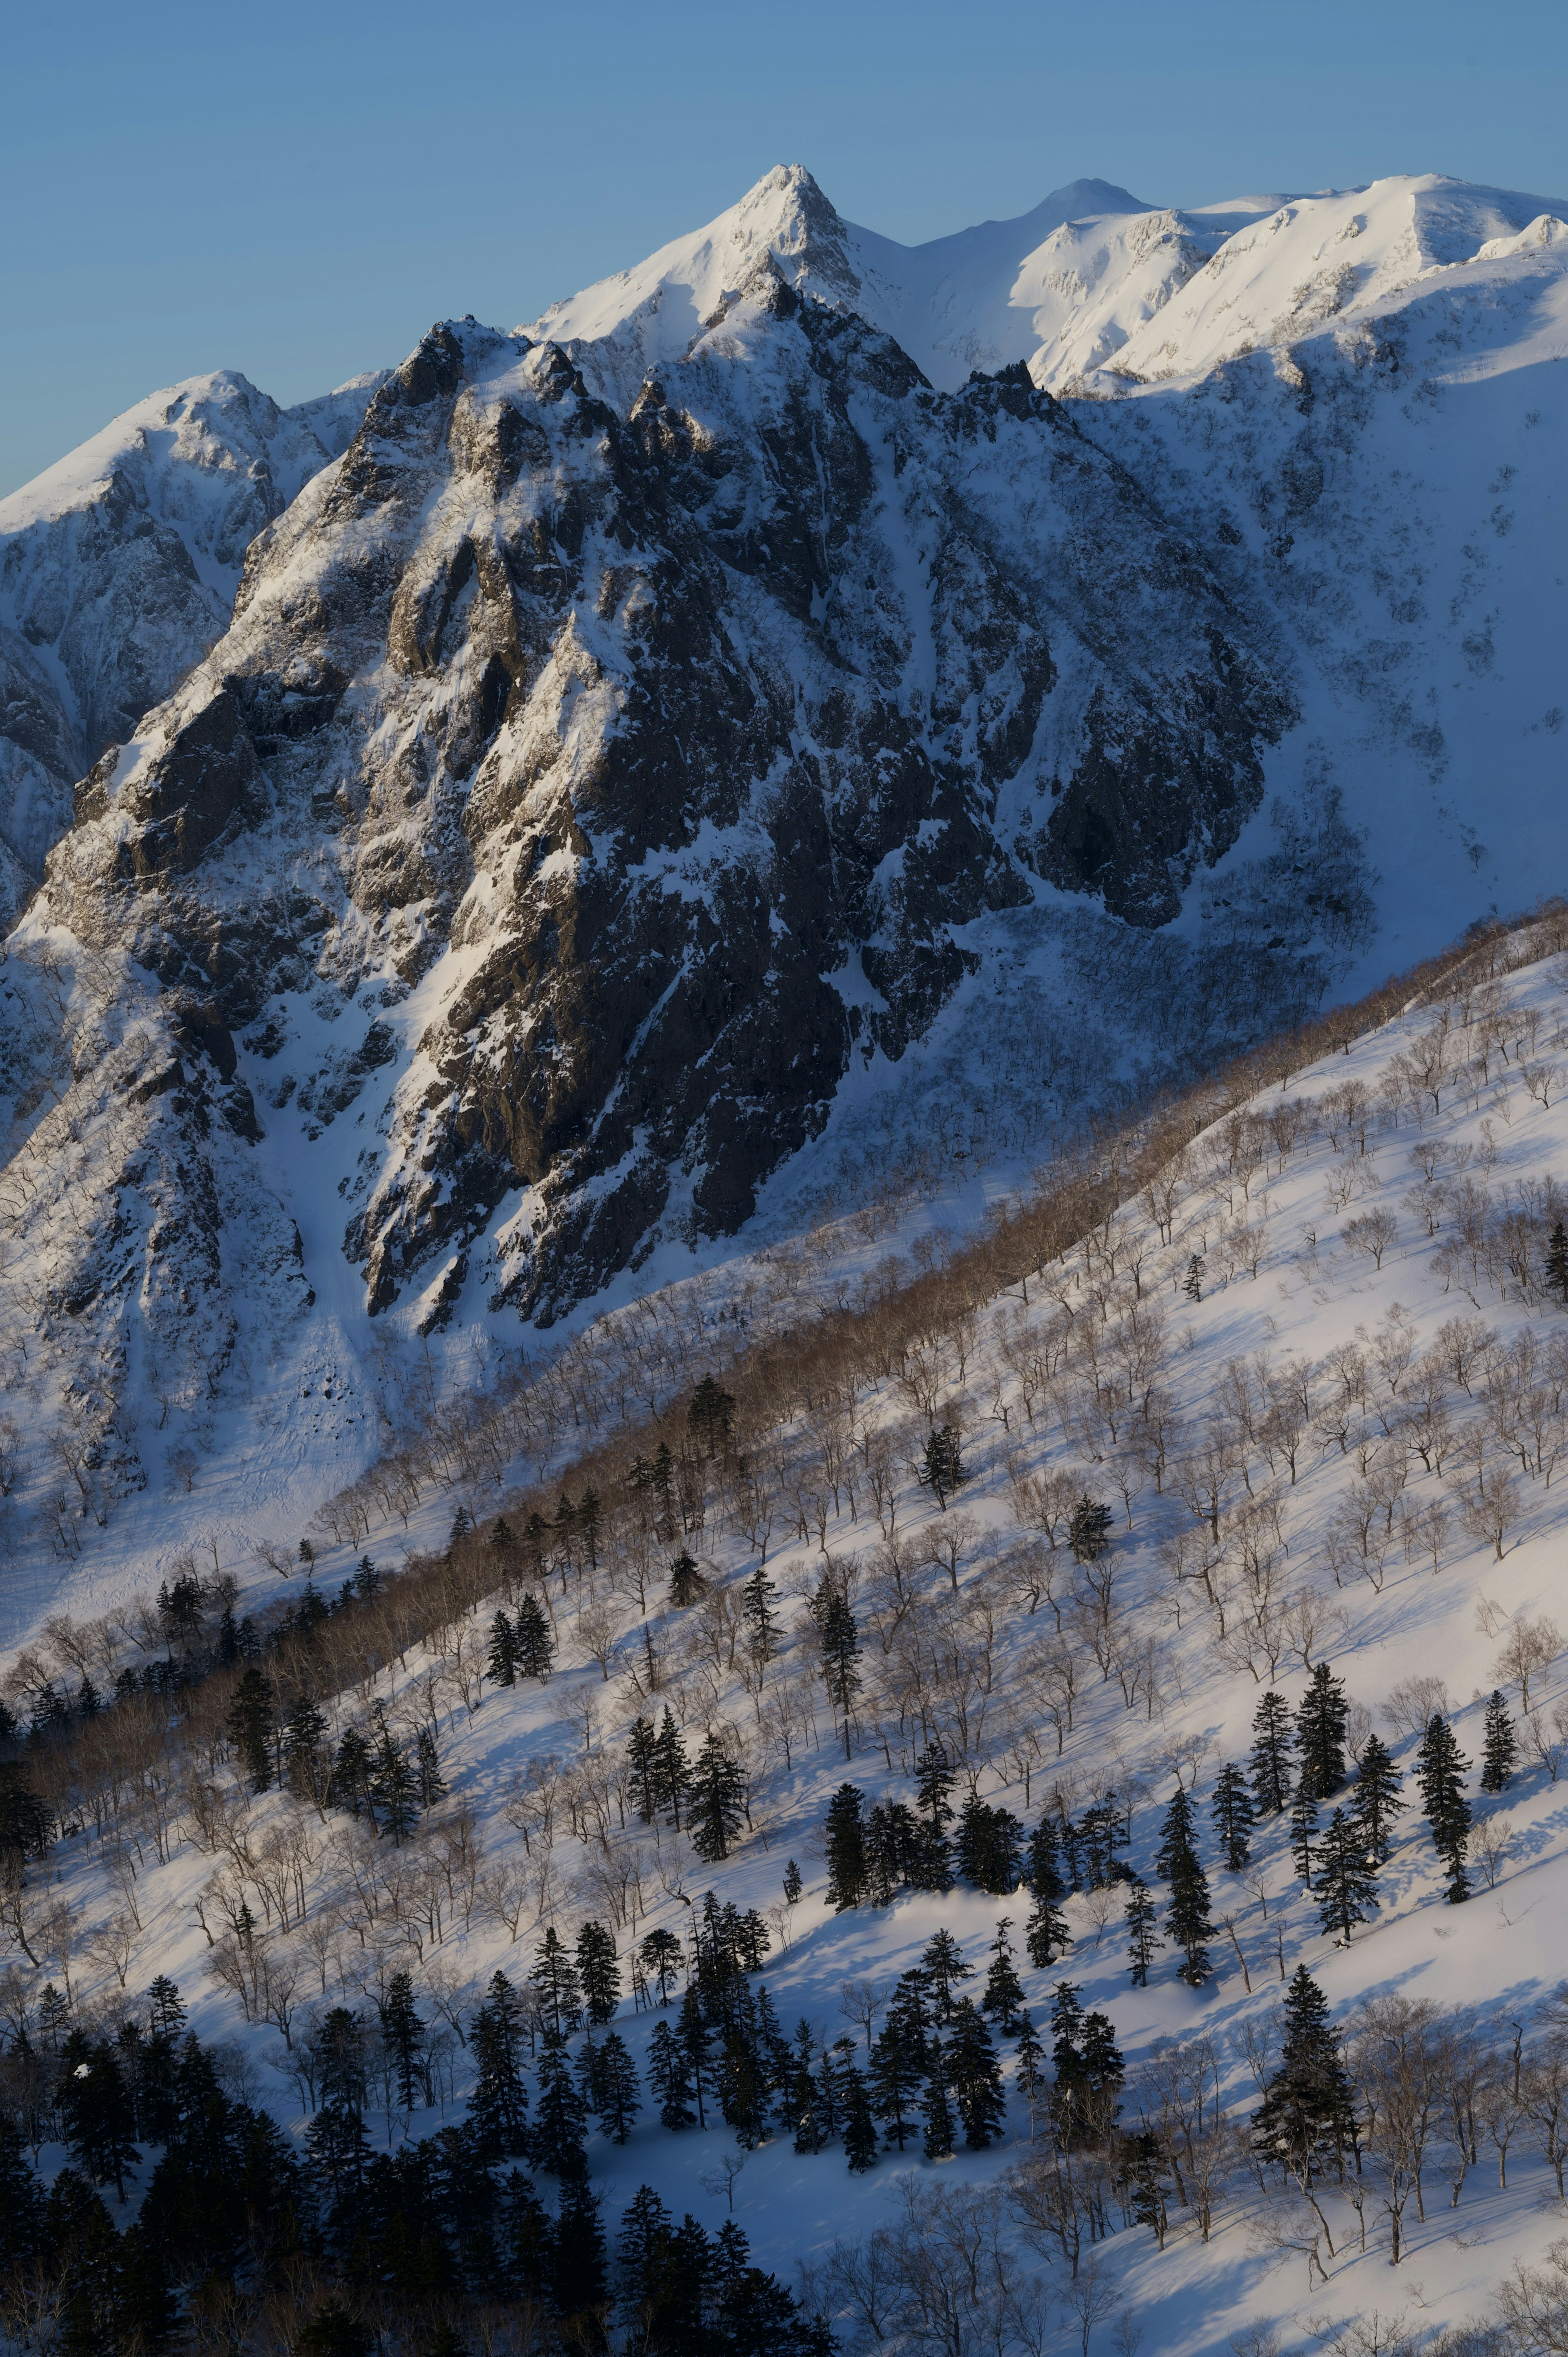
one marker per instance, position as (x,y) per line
(975,2076)
(943,1967)
(403,2033)
(1307,2116)
(935,2108)
(793,1886)
(305,1751)
(251,1726)
(96,2114)
(1499,1747)
(560,2113)
(500,1661)
(533,1647)
(430,1785)
(642,1765)
(670,2076)
(498,2109)
(1187,1917)
(1031,2073)
(696,2047)
(1321,1719)
(845,1848)
(1046,1935)
(1375,1800)
(942,1468)
(1557,1259)
(1304,1830)
(615,2098)
(393,1786)
(1441,1766)
(1347,1879)
(1143,1932)
(1271,1755)
(662,1959)
(1088,1530)
(710,1415)
(1231,1811)
(554,1978)
(598,1973)
(687,1586)
(1192,1283)
(716,1802)
(900,2062)
(838,1641)
(1004,1992)
(758,1600)
(674,1769)
(860,2140)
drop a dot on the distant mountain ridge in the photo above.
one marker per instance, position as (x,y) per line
(744,758)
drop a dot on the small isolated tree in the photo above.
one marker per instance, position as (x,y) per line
(942,1468)
(793,1886)
(838,1639)
(1192,1282)
(1372,1233)
(1003,1993)
(1089,1530)
(687,1586)
(1500,1748)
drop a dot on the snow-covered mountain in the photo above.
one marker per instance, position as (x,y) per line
(739,759)
(118,569)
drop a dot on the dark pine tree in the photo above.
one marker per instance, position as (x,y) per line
(838,1641)
(430,1785)
(793,1886)
(662,1956)
(674,1769)
(560,2113)
(1143,1932)
(697,2047)
(500,1661)
(687,1586)
(1304,1830)
(555,1984)
(1321,1718)
(1232,1812)
(642,1766)
(944,1966)
(598,1974)
(615,2098)
(1307,2117)
(900,2061)
(1271,1755)
(1499,1747)
(404,2033)
(860,2140)
(942,1467)
(1557,1259)
(758,1602)
(1441,1766)
(1346,1876)
(670,2076)
(497,2108)
(1004,1992)
(1031,2074)
(1088,1530)
(1045,1935)
(845,1848)
(717,1801)
(1375,1800)
(97,2117)
(974,2075)
(533,1647)
(935,2108)
(1187,1917)
(249,1727)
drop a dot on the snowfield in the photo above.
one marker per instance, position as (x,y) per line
(1318,1371)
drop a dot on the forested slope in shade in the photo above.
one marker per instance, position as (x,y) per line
(1062,1782)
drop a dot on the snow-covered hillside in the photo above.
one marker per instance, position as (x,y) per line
(1315,1368)
(118,569)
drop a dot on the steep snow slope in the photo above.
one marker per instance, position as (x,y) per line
(1356,1396)
(1331,257)
(118,569)
(1061,287)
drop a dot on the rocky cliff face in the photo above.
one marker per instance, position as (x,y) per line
(117,572)
(637,771)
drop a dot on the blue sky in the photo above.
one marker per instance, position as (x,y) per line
(300,191)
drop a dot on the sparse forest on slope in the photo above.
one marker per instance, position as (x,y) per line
(1035,1796)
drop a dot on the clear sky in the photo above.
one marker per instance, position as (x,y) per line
(300,191)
